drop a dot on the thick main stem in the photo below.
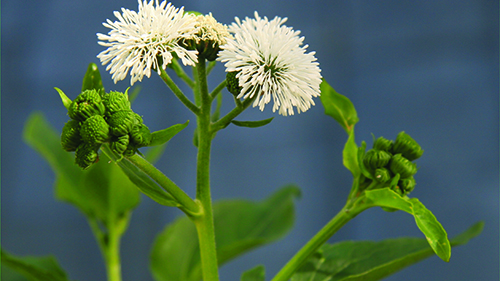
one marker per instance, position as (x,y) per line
(205,223)
(348,212)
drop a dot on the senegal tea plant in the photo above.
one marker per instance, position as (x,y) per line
(102,166)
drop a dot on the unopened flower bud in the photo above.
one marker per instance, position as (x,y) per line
(120,144)
(140,135)
(382,144)
(116,101)
(233,83)
(95,130)
(382,175)
(122,122)
(375,159)
(87,104)
(402,166)
(70,136)
(407,146)
(86,155)
(407,184)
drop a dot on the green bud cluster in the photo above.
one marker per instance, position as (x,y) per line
(390,158)
(98,118)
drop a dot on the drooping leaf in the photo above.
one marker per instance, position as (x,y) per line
(338,106)
(163,136)
(35,268)
(425,220)
(92,79)
(240,225)
(101,191)
(368,260)
(257,273)
(432,229)
(252,124)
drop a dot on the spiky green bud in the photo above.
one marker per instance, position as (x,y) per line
(382,175)
(375,159)
(407,146)
(382,144)
(402,166)
(86,155)
(122,122)
(140,135)
(116,101)
(87,104)
(120,144)
(407,184)
(70,136)
(95,130)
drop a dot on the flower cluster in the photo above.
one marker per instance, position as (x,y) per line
(391,162)
(98,118)
(270,61)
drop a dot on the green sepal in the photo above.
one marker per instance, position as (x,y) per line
(33,268)
(92,79)
(257,273)
(338,106)
(252,124)
(163,136)
(65,100)
(402,166)
(70,136)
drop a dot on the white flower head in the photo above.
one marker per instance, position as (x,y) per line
(137,39)
(209,29)
(271,62)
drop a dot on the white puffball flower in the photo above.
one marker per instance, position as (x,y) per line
(270,61)
(137,39)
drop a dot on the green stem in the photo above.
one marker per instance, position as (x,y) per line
(218,89)
(204,223)
(224,121)
(178,93)
(182,74)
(348,212)
(188,205)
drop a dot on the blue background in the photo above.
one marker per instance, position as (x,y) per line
(429,68)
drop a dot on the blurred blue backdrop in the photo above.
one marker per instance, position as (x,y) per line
(429,68)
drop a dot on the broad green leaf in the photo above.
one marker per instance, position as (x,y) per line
(338,106)
(432,229)
(92,79)
(425,220)
(240,225)
(368,260)
(163,136)
(252,124)
(35,268)
(257,273)
(101,192)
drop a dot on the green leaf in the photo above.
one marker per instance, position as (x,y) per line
(240,225)
(163,136)
(101,192)
(432,229)
(368,260)
(141,180)
(425,220)
(65,100)
(92,79)
(339,107)
(350,155)
(35,268)
(257,273)
(252,124)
